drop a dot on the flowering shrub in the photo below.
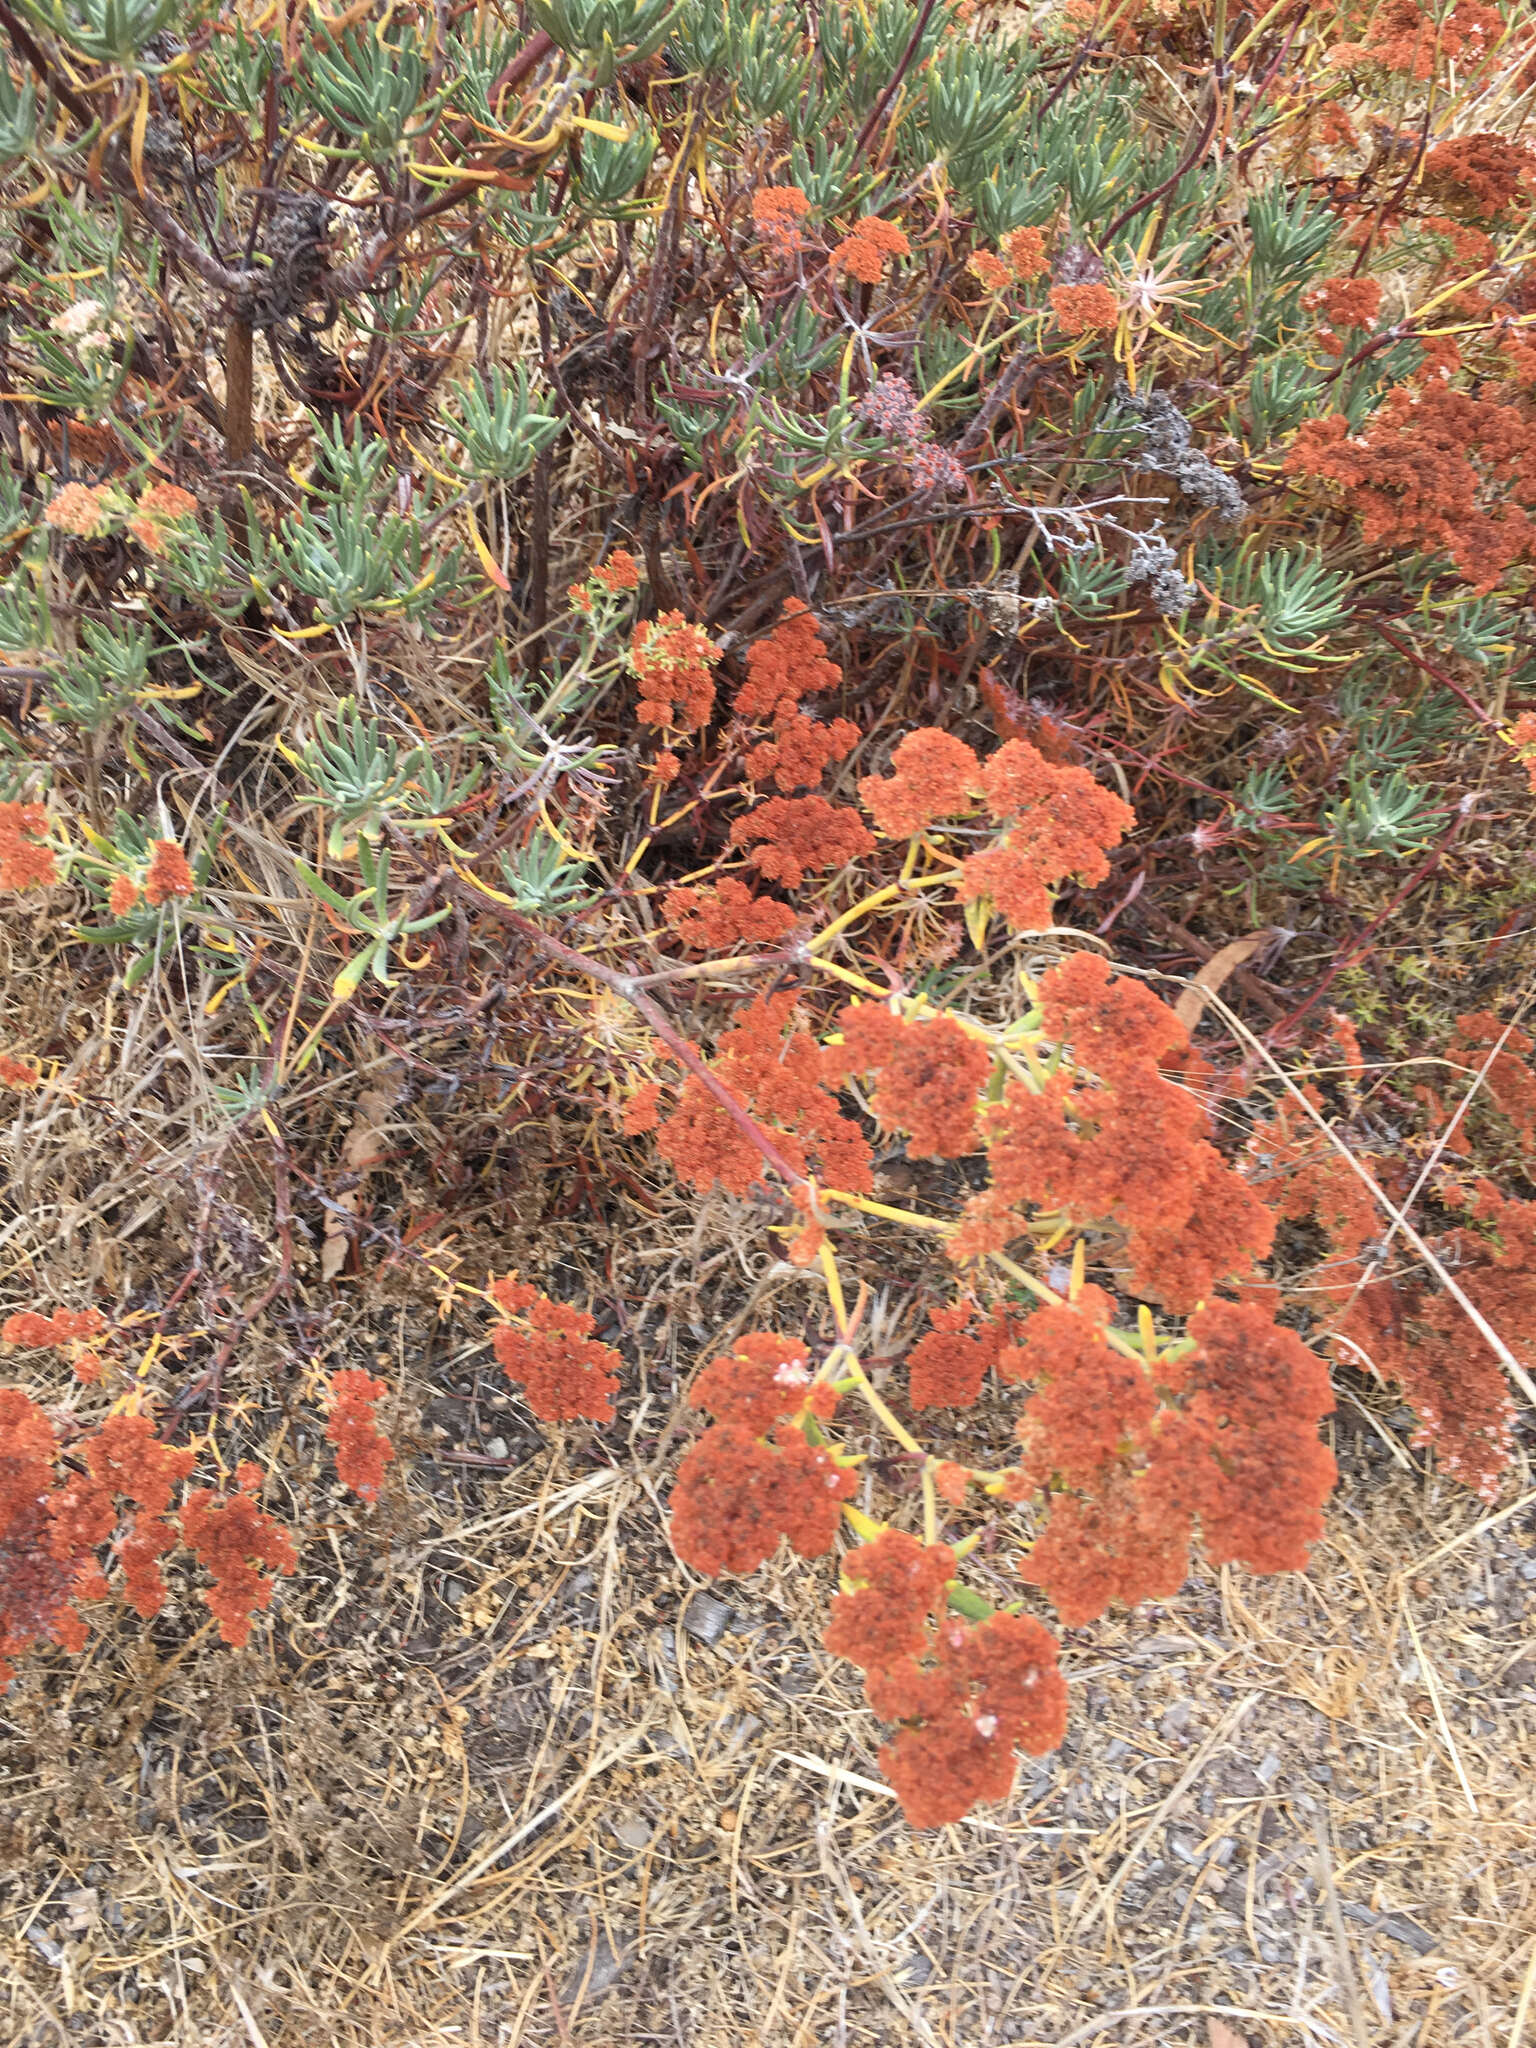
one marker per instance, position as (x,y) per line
(745,614)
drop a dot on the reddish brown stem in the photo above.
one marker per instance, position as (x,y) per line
(631,988)
(239,391)
(877,111)
(1438,675)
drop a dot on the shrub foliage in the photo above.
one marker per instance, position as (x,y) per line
(648,556)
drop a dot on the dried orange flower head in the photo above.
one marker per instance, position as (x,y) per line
(1084,308)
(777,211)
(26,862)
(79,510)
(567,1374)
(1060,823)
(932,777)
(1025,250)
(863,251)
(992,270)
(620,572)
(737,1496)
(362,1450)
(168,874)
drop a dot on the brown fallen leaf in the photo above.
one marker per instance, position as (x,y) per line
(1190,1007)
(363,1147)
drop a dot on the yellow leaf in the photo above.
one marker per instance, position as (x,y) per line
(136,137)
(604,128)
(488,561)
(346,984)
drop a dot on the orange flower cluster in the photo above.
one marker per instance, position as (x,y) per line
(1227,1436)
(1408,37)
(1025,251)
(162,505)
(673,661)
(1417,1338)
(781,1082)
(38,1577)
(1128,1149)
(49,1534)
(1306,1179)
(946,1368)
(1102,1547)
(761,1381)
(753,1477)
(967,1694)
(1084,308)
(243,1549)
(1023,257)
(1522,737)
(25,862)
(789,837)
(992,270)
(1244,1453)
(79,510)
(736,1495)
(929,1074)
(725,916)
(1434,469)
(932,777)
(168,874)
(567,1374)
(620,572)
(777,211)
(126,1457)
(863,251)
(1412,1335)
(362,1450)
(1114,1025)
(1480,174)
(1343,303)
(1508,1079)
(37,1332)
(789,665)
(15,1073)
(1091,1406)
(1059,822)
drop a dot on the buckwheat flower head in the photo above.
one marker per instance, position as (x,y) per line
(77,509)
(891,406)
(935,469)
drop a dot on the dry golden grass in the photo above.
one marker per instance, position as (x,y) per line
(487,1779)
